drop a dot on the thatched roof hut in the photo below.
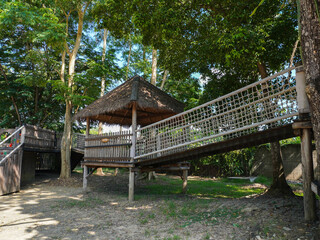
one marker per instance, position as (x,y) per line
(115,107)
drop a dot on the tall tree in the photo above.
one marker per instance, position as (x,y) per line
(80,9)
(103,83)
(28,35)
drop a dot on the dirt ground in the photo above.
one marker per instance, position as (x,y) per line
(54,209)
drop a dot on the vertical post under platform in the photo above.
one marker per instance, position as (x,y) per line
(309,200)
(132,152)
(131,185)
(185,181)
(85,175)
(85,168)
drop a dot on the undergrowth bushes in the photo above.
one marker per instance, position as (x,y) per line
(235,163)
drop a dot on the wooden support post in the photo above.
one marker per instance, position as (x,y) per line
(85,168)
(185,180)
(132,152)
(309,200)
(23,135)
(88,127)
(85,175)
(158,145)
(302,99)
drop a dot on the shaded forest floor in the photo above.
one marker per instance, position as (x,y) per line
(55,209)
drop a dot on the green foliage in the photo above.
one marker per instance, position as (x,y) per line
(234,163)
(28,34)
(263,180)
(187,91)
(32,38)
(294,140)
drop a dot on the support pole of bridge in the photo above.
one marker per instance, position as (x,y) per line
(88,127)
(185,181)
(132,152)
(85,168)
(309,200)
(85,175)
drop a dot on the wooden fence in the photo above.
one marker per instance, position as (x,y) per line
(36,137)
(110,147)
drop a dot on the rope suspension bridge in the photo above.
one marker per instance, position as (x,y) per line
(265,105)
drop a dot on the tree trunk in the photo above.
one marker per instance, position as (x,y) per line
(66,137)
(152,174)
(144,62)
(66,143)
(103,84)
(154,67)
(129,55)
(279,183)
(164,79)
(310,51)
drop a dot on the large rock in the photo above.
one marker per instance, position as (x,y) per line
(291,154)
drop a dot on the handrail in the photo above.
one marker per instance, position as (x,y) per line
(11,135)
(264,103)
(16,148)
(12,152)
(218,99)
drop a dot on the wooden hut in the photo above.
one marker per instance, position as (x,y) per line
(135,102)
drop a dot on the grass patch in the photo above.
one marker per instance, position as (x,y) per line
(222,188)
(175,237)
(263,180)
(73,203)
(169,209)
(212,217)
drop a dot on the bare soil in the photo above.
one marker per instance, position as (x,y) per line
(57,209)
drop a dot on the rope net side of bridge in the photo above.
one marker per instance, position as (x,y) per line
(266,104)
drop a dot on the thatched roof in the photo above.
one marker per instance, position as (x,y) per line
(115,107)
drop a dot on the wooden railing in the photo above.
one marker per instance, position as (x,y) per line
(11,143)
(36,137)
(266,104)
(109,147)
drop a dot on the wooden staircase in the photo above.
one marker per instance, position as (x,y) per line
(18,151)
(11,160)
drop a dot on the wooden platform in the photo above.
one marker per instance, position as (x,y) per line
(19,152)
(105,164)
